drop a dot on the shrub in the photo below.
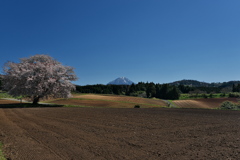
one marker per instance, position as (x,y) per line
(204,95)
(234,95)
(137,106)
(237,106)
(229,105)
(210,95)
(222,95)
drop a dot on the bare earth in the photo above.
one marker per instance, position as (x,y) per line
(119,133)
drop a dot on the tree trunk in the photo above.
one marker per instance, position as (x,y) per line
(35,100)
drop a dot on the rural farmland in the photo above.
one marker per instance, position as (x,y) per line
(111,133)
(118,133)
(119,80)
(116,101)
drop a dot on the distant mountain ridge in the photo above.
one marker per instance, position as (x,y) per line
(185,82)
(195,83)
(121,81)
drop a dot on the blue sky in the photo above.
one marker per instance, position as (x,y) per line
(157,41)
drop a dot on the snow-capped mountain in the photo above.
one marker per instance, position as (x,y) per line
(121,81)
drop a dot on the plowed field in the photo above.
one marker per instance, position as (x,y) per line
(203,103)
(119,133)
(111,101)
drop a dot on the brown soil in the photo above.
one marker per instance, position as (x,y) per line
(3,101)
(203,103)
(119,133)
(111,101)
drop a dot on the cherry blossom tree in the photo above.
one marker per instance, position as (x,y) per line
(37,77)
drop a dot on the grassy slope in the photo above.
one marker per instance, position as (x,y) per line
(109,101)
(207,103)
(108,104)
(189,96)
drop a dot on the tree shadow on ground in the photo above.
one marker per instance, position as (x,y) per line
(28,105)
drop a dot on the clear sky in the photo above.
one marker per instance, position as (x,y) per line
(157,41)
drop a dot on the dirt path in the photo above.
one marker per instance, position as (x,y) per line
(98,133)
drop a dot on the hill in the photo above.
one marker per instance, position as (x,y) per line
(207,103)
(195,83)
(109,101)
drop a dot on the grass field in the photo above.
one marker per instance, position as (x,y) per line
(109,101)
(200,96)
(206,103)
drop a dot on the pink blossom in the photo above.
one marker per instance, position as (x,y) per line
(39,76)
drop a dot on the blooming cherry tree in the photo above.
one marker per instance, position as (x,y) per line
(37,77)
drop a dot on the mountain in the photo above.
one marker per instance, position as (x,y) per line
(195,83)
(121,81)
(192,83)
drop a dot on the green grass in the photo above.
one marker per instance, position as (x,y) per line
(199,96)
(4,95)
(1,152)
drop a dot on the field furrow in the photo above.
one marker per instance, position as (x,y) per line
(109,133)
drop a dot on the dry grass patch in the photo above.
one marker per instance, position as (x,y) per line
(209,103)
(110,101)
(4,101)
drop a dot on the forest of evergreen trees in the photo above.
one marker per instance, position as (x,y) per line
(148,90)
(162,91)
(236,88)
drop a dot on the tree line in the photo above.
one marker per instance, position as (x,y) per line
(141,89)
(0,83)
(150,90)
(236,88)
